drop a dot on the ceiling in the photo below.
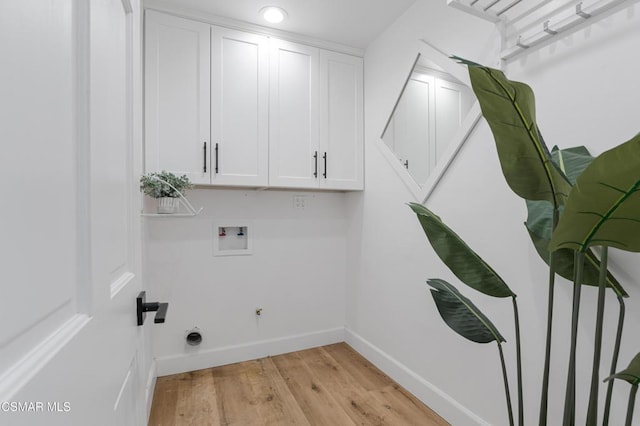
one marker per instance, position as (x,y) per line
(354,23)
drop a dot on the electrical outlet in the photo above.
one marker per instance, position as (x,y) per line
(298,202)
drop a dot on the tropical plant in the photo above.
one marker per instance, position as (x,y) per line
(509,108)
(468,321)
(458,311)
(164,184)
(572,162)
(564,221)
(602,210)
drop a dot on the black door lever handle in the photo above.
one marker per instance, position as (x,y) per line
(143,307)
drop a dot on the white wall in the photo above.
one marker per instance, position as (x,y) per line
(586,85)
(296,274)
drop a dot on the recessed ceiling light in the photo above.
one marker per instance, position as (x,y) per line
(273,14)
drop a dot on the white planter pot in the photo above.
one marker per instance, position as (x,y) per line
(168,205)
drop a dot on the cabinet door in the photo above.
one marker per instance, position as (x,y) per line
(293,116)
(341,121)
(239,108)
(177,94)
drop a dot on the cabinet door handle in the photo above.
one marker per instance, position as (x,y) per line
(406,164)
(324,157)
(217,158)
(204,167)
(315,168)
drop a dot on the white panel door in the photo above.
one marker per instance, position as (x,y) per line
(38,233)
(294,160)
(177,96)
(239,108)
(86,137)
(414,125)
(453,101)
(341,121)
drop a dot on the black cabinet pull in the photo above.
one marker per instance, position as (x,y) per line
(406,164)
(204,168)
(315,168)
(216,158)
(324,157)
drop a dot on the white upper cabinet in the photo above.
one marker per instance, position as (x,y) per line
(232,108)
(293,116)
(177,96)
(316,133)
(206,102)
(239,108)
(341,121)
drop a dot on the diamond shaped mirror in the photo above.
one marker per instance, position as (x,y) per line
(432,118)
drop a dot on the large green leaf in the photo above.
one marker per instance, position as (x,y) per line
(604,206)
(509,108)
(630,374)
(571,161)
(459,257)
(564,264)
(540,218)
(462,315)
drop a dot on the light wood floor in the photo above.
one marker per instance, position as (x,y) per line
(332,385)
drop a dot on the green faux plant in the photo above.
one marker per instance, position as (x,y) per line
(164,184)
(459,312)
(574,203)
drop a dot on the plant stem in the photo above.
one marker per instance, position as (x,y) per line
(516,317)
(506,384)
(544,394)
(570,395)
(614,362)
(592,411)
(630,407)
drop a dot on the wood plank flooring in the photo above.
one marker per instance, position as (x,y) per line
(331,385)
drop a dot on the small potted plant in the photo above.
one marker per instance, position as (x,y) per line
(166,188)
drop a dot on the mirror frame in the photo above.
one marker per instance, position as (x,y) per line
(437,56)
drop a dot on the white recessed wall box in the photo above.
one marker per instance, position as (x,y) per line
(232,238)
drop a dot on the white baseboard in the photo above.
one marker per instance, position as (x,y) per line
(231,354)
(443,404)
